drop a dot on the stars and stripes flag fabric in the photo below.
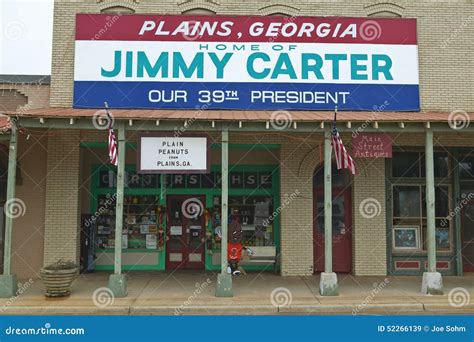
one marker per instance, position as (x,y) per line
(112,141)
(343,159)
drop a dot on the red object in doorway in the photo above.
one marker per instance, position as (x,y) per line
(341,229)
(234,251)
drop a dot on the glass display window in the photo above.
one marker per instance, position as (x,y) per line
(255,214)
(412,165)
(466,168)
(140,223)
(409,215)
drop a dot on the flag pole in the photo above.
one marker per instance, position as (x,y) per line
(106,105)
(117,280)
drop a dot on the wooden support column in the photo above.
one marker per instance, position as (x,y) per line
(432,280)
(328,281)
(224,279)
(8,283)
(117,281)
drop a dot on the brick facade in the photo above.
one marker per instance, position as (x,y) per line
(61,232)
(369,234)
(445,37)
(23,97)
(28,231)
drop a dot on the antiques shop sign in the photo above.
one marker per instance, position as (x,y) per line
(372,146)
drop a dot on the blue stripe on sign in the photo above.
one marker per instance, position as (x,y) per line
(246,96)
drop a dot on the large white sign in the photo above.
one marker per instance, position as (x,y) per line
(169,154)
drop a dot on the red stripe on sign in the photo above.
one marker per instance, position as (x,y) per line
(241,29)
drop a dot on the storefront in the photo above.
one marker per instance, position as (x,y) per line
(173,221)
(263,90)
(407,188)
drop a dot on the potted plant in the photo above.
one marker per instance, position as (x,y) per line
(58,277)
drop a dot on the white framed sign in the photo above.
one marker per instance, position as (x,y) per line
(161,153)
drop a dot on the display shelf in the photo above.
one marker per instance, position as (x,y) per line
(147,206)
(255,218)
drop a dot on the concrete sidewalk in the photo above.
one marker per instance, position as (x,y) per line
(191,292)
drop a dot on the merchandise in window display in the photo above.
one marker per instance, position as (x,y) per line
(143,219)
(254,216)
(208,221)
(406,237)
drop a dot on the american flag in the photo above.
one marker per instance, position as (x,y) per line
(112,141)
(343,159)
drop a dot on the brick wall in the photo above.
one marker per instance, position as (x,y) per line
(11,99)
(61,232)
(23,97)
(368,218)
(28,227)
